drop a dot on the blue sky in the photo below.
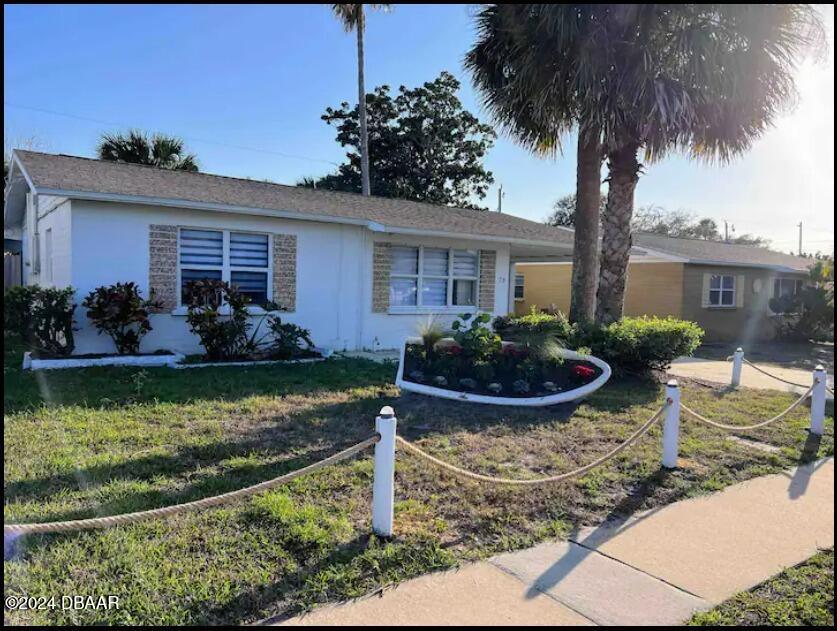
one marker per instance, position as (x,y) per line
(245,86)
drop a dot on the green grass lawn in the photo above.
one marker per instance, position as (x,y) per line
(101,441)
(800,596)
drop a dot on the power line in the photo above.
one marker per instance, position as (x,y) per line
(189,138)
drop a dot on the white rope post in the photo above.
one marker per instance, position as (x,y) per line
(737,363)
(671,426)
(818,401)
(383,487)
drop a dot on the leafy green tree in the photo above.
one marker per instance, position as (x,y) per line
(137,147)
(353,18)
(564,211)
(423,145)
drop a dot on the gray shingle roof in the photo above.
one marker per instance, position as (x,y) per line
(51,172)
(86,175)
(718,252)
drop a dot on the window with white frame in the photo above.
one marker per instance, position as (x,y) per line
(784,287)
(240,258)
(519,285)
(721,291)
(426,277)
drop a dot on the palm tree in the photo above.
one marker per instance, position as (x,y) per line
(528,62)
(704,78)
(354,19)
(136,147)
(707,79)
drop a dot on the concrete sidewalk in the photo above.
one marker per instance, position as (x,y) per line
(652,569)
(718,371)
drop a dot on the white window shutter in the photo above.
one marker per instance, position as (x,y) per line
(704,296)
(740,286)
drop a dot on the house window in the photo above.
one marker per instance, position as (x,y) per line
(239,258)
(433,277)
(721,291)
(519,282)
(783,287)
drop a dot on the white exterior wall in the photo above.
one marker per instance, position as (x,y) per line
(333,285)
(53,213)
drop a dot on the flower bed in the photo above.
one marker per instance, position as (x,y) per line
(510,376)
(31,362)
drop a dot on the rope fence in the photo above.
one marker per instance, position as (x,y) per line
(385,441)
(740,428)
(639,433)
(168,511)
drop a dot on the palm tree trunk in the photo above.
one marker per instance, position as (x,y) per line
(586,241)
(616,235)
(360,27)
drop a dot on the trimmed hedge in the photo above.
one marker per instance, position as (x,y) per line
(631,344)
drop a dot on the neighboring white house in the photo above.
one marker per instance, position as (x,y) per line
(359,272)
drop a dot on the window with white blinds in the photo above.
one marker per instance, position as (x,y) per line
(239,258)
(433,277)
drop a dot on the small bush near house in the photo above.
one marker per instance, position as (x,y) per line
(631,344)
(42,317)
(217,314)
(289,340)
(120,311)
(809,314)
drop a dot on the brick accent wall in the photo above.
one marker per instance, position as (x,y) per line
(284,271)
(162,266)
(488,269)
(381,262)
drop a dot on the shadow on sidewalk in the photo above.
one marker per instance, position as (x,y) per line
(618,520)
(806,466)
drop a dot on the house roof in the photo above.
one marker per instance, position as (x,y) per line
(87,178)
(721,253)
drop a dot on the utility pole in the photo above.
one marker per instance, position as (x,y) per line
(726,231)
(500,195)
(799,225)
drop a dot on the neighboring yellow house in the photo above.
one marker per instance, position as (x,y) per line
(725,288)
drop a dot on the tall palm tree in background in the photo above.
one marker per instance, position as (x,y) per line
(529,62)
(354,19)
(136,147)
(706,79)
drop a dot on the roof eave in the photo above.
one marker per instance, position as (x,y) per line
(373,226)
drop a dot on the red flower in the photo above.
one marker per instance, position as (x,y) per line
(583,372)
(454,350)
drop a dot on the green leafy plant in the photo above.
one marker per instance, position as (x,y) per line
(217,314)
(120,311)
(474,336)
(431,333)
(288,339)
(42,317)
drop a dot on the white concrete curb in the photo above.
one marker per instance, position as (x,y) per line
(87,362)
(550,399)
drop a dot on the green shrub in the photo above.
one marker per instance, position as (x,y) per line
(640,344)
(631,344)
(121,312)
(42,317)
(217,314)
(288,339)
(473,335)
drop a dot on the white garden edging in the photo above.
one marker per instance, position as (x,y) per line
(147,361)
(173,360)
(549,399)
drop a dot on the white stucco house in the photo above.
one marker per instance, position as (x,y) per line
(359,272)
